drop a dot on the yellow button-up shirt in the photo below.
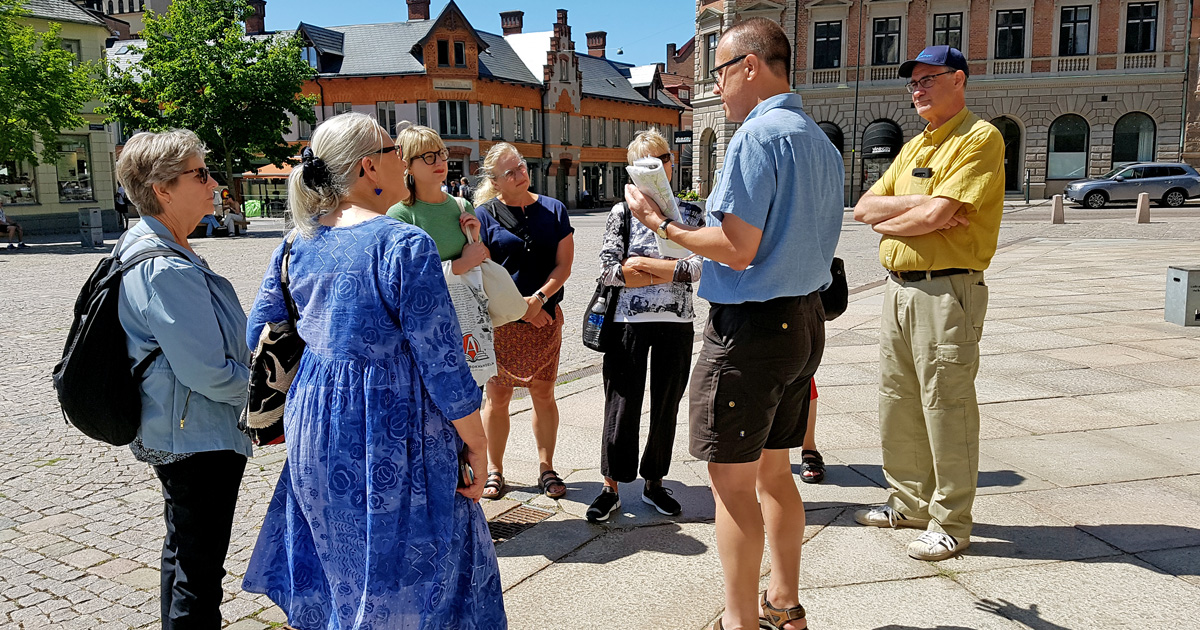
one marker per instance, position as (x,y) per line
(961,160)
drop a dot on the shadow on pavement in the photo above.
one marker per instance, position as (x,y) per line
(1049,542)
(1029,616)
(871,476)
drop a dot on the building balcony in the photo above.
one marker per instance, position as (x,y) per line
(822,77)
(1141,61)
(1074,64)
(885,73)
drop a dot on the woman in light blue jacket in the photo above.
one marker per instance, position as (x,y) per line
(194,391)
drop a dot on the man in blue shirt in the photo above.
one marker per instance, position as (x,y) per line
(775,215)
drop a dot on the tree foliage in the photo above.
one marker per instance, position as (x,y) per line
(42,87)
(200,71)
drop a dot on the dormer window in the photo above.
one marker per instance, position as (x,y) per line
(309,53)
(443,53)
(460,55)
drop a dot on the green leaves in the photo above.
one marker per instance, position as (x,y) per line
(42,88)
(200,71)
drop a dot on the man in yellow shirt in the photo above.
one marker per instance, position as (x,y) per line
(938,208)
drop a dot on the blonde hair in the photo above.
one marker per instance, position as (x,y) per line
(648,143)
(155,158)
(414,141)
(487,173)
(340,143)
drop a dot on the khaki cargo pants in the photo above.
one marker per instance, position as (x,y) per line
(928,413)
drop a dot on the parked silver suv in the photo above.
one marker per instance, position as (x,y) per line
(1169,183)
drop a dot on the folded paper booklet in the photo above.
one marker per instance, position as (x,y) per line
(650,178)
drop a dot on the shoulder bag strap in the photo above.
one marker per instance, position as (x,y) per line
(285,280)
(626,227)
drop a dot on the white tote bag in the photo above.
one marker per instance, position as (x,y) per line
(478,335)
(505,303)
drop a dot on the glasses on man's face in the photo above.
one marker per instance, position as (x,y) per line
(925,82)
(511,174)
(718,73)
(201,173)
(431,157)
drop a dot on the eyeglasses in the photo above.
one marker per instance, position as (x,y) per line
(925,82)
(431,157)
(201,173)
(511,174)
(718,73)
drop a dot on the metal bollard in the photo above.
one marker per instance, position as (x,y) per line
(1143,208)
(1057,216)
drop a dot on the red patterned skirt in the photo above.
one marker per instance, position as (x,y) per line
(525,354)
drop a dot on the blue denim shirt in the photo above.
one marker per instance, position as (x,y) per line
(783,176)
(195,390)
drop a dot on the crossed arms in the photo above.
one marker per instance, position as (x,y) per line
(908,215)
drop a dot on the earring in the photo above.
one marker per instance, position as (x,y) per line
(378,191)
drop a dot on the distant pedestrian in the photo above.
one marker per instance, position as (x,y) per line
(194,392)
(122,208)
(653,324)
(774,216)
(464,189)
(12,228)
(531,236)
(938,208)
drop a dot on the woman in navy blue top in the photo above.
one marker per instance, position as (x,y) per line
(531,237)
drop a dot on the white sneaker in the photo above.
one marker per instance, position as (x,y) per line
(885,516)
(935,546)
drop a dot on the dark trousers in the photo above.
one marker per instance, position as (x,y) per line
(624,387)
(200,494)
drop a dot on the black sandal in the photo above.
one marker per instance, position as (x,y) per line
(550,478)
(812,462)
(493,488)
(776,617)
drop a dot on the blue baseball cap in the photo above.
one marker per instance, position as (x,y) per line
(937,56)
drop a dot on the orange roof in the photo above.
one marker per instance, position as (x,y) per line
(270,170)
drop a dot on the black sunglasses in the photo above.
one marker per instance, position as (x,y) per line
(201,173)
(666,157)
(362,171)
(716,73)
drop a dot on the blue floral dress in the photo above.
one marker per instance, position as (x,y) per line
(365,530)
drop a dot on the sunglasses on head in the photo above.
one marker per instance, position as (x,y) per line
(201,173)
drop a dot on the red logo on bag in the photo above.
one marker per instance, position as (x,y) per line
(471,346)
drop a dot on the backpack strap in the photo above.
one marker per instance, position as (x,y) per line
(285,280)
(139,371)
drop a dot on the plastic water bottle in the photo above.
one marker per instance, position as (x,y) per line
(595,322)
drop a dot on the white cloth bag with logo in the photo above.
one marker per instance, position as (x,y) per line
(471,305)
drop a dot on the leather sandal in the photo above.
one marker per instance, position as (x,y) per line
(493,488)
(551,479)
(812,462)
(776,617)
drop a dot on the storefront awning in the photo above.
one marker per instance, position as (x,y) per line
(882,139)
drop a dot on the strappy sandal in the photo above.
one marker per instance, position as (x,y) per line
(812,462)
(776,617)
(550,478)
(494,486)
(762,624)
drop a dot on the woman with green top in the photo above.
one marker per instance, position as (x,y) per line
(443,217)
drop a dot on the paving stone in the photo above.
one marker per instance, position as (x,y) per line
(1184,562)
(272,615)
(113,568)
(1074,459)
(247,624)
(1178,373)
(50,523)
(1055,415)
(1084,381)
(1155,405)
(86,558)
(141,579)
(881,605)
(1133,517)
(1177,443)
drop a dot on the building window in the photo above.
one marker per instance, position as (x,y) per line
(422,113)
(587,131)
(886,51)
(562,71)
(603,132)
(17,184)
(497,111)
(1141,28)
(310,55)
(443,53)
(75,169)
(616,133)
(519,132)
(460,55)
(1133,139)
(1074,31)
(535,126)
(1067,158)
(303,129)
(685,95)
(827,45)
(566,128)
(710,53)
(342,108)
(947,30)
(110,7)
(74,47)
(121,5)
(385,111)
(1010,34)
(452,119)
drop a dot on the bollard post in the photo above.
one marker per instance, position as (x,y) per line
(1143,208)
(1057,217)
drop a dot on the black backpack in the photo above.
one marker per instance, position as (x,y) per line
(97,391)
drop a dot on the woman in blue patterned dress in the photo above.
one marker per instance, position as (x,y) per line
(366,530)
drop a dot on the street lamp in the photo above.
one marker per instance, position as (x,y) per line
(857,80)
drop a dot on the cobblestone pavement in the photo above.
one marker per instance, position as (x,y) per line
(80,522)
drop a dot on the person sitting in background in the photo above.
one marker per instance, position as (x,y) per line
(235,221)
(12,228)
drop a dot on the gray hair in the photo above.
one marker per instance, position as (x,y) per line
(155,158)
(341,143)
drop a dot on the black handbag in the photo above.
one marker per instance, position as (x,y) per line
(837,296)
(598,325)
(273,366)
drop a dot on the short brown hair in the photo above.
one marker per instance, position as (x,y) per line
(155,158)
(764,39)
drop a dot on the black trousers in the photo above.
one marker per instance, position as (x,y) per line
(200,494)
(625,370)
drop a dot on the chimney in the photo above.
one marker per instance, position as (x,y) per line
(596,41)
(670,53)
(662,67)
(418,9)
(512,22)
(256,22)
(562,29)
(562,16)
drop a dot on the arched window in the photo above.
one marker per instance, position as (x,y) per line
(708,156)
(110,7)
(1067,157)
(834,133)
(121,5)
(1133,139)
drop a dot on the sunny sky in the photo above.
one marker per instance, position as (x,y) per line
(641,28)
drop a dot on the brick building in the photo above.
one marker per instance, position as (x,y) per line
(1075,86)
(678,81)
(570,114)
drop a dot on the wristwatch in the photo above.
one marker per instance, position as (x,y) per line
(540,296)
(662,228)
